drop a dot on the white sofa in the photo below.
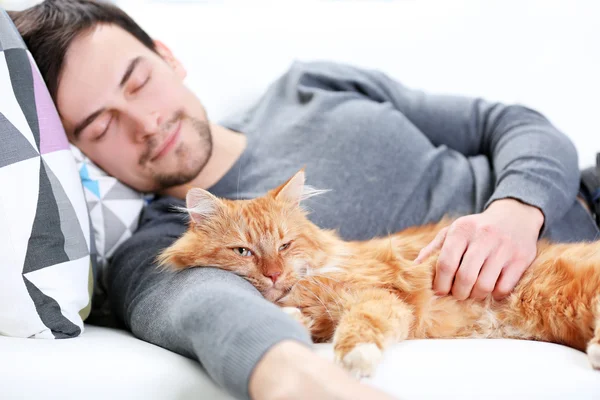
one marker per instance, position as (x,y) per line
(540,53)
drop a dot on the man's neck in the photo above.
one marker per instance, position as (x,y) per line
(228,146)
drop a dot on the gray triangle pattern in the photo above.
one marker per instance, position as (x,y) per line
(91,204)
(75,244)
(9,36)
(15,147)
(93,251)
(49,311)
(134,225)
(121,192)
(113,229)
(21,77)
(46,242)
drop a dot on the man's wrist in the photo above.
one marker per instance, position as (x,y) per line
(510,208)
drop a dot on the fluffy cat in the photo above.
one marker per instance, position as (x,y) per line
(365,295)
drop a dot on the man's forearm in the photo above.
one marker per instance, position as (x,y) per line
(207,314)
(533,162)
(231,328)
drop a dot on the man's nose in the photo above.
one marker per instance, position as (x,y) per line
(148,125)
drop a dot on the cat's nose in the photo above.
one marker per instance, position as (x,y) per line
(273,276)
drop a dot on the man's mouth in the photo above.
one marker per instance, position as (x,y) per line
(168,143)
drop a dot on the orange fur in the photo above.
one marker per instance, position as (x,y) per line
(365,294)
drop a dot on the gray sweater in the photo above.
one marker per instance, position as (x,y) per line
(392,156)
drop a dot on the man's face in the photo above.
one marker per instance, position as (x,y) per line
(128,110)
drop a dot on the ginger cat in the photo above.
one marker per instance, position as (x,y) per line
(365,295)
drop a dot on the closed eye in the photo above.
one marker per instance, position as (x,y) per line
(285,246)
(100,136)
(141,86)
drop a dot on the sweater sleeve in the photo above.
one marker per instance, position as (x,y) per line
(532,160)
(206,314)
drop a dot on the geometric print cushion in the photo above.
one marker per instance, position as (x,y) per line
(114,210)
(114,207)
(46,276)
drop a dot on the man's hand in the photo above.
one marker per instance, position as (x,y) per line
(486,253)
(291,371)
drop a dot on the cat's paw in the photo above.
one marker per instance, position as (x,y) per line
(361,360)
(298,316)
(593,352)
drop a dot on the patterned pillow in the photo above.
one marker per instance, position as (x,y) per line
(114,207)
(46,274)
(114,210)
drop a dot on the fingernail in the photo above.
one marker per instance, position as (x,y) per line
(419,256)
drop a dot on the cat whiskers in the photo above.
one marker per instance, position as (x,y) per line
(323,304)
(313,275)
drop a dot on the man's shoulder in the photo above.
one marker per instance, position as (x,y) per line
(163,215)
(322,67)
(327,75)
(160,224)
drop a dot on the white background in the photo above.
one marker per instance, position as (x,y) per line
(541,53)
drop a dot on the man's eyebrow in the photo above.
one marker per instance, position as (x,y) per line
(130,68)
(86,122)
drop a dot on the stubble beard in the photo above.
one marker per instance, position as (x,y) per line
(191,160)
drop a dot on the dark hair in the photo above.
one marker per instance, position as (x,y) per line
(49,28)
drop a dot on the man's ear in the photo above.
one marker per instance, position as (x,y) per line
(167,55)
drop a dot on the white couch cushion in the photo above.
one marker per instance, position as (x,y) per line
(101,364)
(105,363)
(487,369)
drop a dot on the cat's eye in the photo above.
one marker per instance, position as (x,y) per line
(242,251)
(284,246)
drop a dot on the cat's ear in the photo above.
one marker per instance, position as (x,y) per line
(201,204)
(291,191)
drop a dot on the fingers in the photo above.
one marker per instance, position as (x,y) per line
(453,248)
(470,267)
(476,259)
(433,246)
(488,276)
(509,278)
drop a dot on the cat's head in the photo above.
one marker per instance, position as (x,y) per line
(267,240)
